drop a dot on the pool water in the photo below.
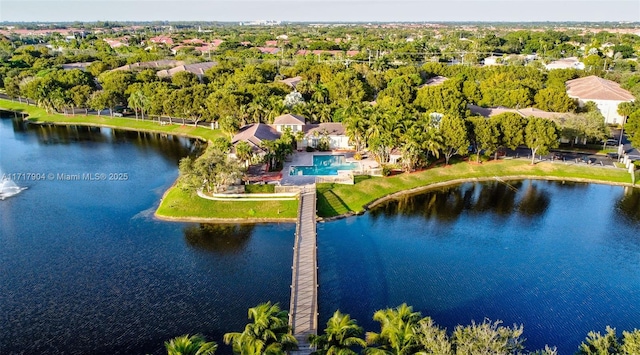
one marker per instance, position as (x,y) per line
(324,165)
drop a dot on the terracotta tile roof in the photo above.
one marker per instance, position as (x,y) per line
(289,119)
(596,88)
(161,39)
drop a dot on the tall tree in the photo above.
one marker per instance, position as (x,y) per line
(598,344)
(269,333)
(454,136)
(340,336)
(540,136)
(397,332)
(486,135)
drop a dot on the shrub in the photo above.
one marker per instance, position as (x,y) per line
(357,156)
(310,149)
(259,189)
(386,170)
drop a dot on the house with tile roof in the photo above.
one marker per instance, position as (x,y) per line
(197,68)
(606,94)
(295,123)
(254,134)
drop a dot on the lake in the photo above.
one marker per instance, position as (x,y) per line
(560,258)
(85,268)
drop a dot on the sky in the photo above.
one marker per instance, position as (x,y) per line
(320,11)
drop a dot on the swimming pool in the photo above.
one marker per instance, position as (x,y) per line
(324,165)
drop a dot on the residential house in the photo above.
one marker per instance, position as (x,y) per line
(255,133)
(197,68)
(162,40)
(606,94)
(294,122)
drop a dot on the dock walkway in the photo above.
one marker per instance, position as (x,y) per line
(303,316)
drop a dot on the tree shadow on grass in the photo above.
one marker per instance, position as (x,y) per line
(329,204)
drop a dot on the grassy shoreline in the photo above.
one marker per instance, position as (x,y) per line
(39,116)
(182,205)
(336,200)
(176,204)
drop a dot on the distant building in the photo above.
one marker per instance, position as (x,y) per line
(524,112)
(435,81)
(82,66)
(292,82)
(493,60)
(158,64)
(161,40)
(606,94)
(197,68)
(565,63)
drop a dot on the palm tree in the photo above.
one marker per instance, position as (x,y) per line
(268,334)
(244,152)
(190,345)
(341,334)
(320,94)
(432,142)
(136,101)
(397,332)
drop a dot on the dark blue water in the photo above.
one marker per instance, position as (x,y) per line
(86,269)
(562,259)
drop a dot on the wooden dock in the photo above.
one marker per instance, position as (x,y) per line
(303,311)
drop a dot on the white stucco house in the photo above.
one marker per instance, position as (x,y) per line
(606,94)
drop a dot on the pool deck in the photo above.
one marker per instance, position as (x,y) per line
(306,159)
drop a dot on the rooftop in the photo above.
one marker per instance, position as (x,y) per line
(289,119)
(596,88)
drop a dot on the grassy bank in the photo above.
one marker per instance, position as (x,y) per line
(38,115)
(186,205)
(335,199)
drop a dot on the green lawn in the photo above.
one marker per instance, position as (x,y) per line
(178,203)
(39,115)
(336,199)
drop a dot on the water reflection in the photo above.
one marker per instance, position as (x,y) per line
(219,238)
(535,201)
(448,204)
(171,147)
(629,204)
